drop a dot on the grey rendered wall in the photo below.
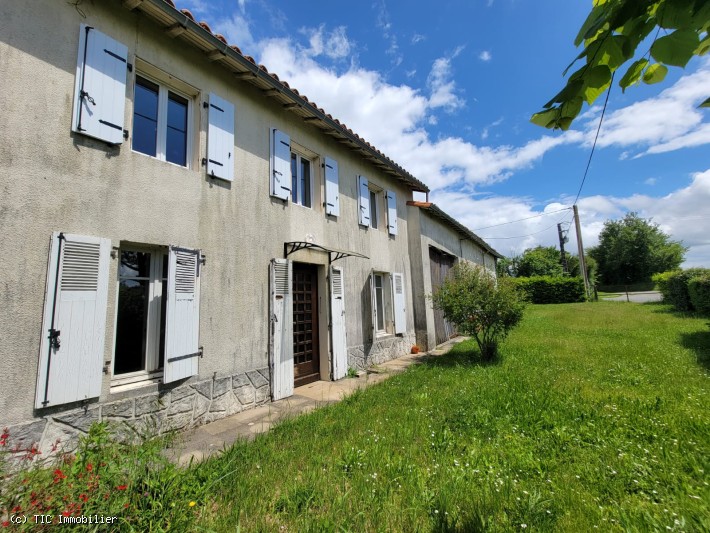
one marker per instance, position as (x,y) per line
(55,180)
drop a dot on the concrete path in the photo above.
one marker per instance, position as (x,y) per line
(638,297)
(204,441)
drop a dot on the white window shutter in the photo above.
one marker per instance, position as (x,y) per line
(399,302)
(337,319)
(280,164)
(281,330)
(392,212)
(182,321)
(70,366)
(332,193)
(220,138)
(100,86)
(364,203)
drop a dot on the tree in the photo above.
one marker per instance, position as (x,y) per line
(540,261)
(631,250)
(479,305)
(611,34)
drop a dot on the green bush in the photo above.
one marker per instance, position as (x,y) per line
(661,282)
(479,305)
(674,286)
(551,289)
(699,292)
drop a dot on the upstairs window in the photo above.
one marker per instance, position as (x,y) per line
(301,180)
(161,122)
(374,207)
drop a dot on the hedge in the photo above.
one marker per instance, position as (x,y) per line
(551,289)
(675,288)
(699,291)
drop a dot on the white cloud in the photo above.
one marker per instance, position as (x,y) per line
(417,38)
(669,121)
(236,30)
(651,181)
(485,56)
(442,87)
(334,44)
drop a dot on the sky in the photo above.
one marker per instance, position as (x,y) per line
(446,89)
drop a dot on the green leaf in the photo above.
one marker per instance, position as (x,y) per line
(596,80)
(675,49)
(570,110)
(595,20)
(703,47)
(633,75)
(573,88)
(706,103)
(655,73)
(675,14)
(546,119)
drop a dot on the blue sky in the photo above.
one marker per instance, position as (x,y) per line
(446,89)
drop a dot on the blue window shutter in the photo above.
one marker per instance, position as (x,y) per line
(332,193)
(392,212)
(280,164)
(220,139)
(364,203)
(100,87)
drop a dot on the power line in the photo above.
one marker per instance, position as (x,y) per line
(520,236)
(594,145)
(521,219)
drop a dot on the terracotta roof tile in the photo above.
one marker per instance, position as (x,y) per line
(236,49)
(170,3)
(221,38)
(205,26)
(188,14)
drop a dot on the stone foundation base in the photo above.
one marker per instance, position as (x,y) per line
(383,349)
(183,407)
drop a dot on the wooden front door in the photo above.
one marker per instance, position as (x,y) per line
(306,358)
(440,264)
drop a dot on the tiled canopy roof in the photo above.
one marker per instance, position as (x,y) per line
(436,211)
(182,23)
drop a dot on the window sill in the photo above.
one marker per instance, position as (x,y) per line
(154,158)
(136,380)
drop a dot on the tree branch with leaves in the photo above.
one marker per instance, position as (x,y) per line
(611,36)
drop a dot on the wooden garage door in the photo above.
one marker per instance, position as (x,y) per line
(440,264)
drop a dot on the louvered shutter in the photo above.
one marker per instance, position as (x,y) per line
(100,87)
(332,192)
(373,307)
(337,319)
(220,139)
(70,369)
(280,164)
(392,213)
(399,302)
(364,194)
(281,329)
(182,321)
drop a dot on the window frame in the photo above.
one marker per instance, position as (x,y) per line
(387,308)
(297,195)
(166,84)
(156,316)
(376,212)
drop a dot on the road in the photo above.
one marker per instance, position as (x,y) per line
(638,297)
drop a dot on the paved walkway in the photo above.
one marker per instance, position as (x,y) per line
(204,441)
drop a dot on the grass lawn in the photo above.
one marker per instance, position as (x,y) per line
(596,418)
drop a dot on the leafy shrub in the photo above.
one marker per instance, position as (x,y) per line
(551,289)
(136,484)
(661,282)
(480,306)
(674,287)
(699,292)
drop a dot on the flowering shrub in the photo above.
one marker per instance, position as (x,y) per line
(104,477)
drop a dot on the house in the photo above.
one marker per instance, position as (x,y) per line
(186,235)
(436,243)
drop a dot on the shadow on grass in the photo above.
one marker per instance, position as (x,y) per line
(463,354)
(699,342)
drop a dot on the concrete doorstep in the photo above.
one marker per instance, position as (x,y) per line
(204,441)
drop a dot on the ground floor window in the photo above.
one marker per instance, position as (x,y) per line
(382,302)
(140,317)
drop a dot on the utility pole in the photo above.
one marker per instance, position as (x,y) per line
(580,249)
(563,257)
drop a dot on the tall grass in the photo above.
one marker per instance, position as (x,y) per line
(596,418)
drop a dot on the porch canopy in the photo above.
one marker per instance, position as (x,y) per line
(333,253)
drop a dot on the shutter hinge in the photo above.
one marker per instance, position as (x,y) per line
(129,66)
(54,338)
(204,161)
(201,351)
(125,134)
(203,259)
(205,104)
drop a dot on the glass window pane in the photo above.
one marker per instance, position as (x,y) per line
(134,264)
(131,325)
(373,209)
(145,135)
(380,309)
(146,99)
(294,178)
(177,112)
(176,147)
(306,182)
(163,307)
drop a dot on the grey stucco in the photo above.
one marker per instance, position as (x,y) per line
(55,180)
